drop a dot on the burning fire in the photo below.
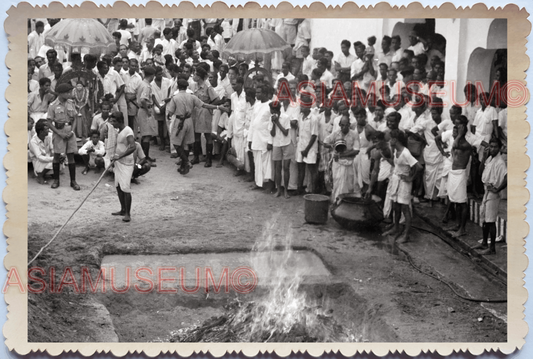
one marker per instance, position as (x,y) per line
(284,314)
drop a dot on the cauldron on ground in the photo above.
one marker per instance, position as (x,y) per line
(356,213)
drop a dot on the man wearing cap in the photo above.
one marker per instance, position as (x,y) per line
(60,115)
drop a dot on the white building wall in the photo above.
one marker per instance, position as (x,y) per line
(329,33)
(463,36)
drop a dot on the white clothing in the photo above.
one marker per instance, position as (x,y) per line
(258,133)
(327,78)
(280,140)
(307,127)
(345,61)
(35,42)
(502,120)
(308,65)
(263,166)
(399,190)
(483,122)
(456,186)
(99,150)
(418,48)
(41,153)
(289,77)
(385,58)
(126,37)
(160,93)
(396,55)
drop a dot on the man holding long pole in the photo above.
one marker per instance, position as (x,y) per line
(123,164)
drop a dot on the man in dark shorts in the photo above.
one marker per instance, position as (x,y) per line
(61,114)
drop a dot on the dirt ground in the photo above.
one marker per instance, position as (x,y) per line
(210,210)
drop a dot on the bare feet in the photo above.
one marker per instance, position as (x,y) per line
(390,232)
(480,246)
(389,226)
(459,233)
(488,251)
(278,193)
(286,194)
(41,180)
(404,238)
(220,165)
(452,229)
(126,218)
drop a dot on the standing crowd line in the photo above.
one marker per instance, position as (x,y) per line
(369,123)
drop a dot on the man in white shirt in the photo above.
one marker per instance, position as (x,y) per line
(259,136)
(36,39)
(362,69)
(191,37)
(146,32)
(344,61)
(396,48)
(46,70)
(308,62)
(385,55)
(327,76)
(237,121)
(284,74)
(41,150)
(132,81)
(283,150)
(290,30)
(217,41)
(395,86)
(484,121)
(303,38)
(169,44)
(418,44)
(93,152)
(114,85)
(224,81)
(307,150)
(125,39)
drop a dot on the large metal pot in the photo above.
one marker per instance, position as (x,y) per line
(356,213)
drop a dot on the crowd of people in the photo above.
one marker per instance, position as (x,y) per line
(319,120)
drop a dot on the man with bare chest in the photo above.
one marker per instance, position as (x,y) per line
(458,176)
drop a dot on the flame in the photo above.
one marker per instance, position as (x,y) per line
(284,314)
(282,308)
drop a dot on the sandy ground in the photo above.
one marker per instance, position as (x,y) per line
(217,212)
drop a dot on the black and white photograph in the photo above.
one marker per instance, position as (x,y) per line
(267,180)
